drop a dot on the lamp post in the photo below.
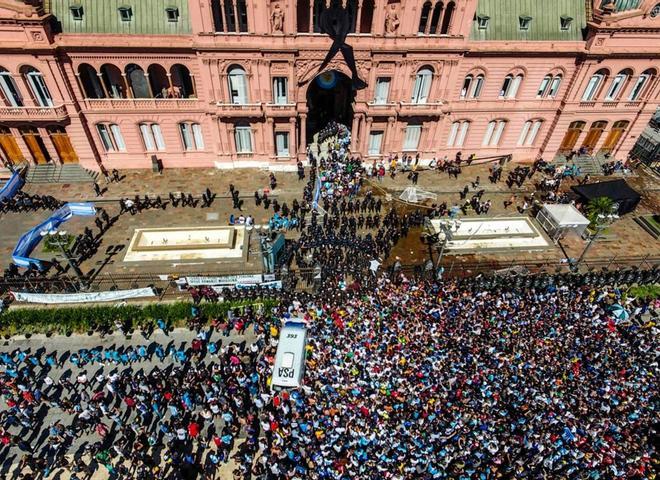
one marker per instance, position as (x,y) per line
(59,238)
(444,236)
(602,222)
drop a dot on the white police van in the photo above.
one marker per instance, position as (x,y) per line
(289,367)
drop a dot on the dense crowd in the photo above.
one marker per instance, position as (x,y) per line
(406,379)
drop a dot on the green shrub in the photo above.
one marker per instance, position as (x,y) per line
(645,292)
(17,321)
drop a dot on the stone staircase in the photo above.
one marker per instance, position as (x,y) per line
(67,173)
(588,165)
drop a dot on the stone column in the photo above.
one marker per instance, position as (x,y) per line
(293,144)
(303,133)
(222,14)
(358,17)
(232,144)
(354,131)
(105,89)
(364,144)
(129,91)
(237,27)
(270,140)
(151,92)
(389,133)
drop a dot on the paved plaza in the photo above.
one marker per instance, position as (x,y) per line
(622,240)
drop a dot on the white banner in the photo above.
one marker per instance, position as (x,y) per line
(225,280)
(52,298)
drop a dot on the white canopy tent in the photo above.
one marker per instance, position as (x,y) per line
(557,219)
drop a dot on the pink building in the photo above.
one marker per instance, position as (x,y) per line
(233,83)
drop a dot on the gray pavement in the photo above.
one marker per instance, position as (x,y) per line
(97,375)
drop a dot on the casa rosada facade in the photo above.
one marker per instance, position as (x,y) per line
(235,83)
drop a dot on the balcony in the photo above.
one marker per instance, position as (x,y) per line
(240,109)
(417,109)
(381,109)
(282,110)
(58,113)
(160,104)
(587,104)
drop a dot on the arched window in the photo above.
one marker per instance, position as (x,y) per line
(554,86)
(544,86)
(435,18)
(160,84)
(37,84)
(137,81)
(446,22)
(191,136)
(90,82)
(510,86)
(241,8)
(477,86)
(216,10)
(319,6)
(424,18)
(422,86)
(113,81)
(617,85)
(638,89)
(467,84)
(529,132)
(9,89)
(238,87)
(302,16)
(152,137)
(494,133)
(593,87)
(367,16)
(111,137)
(458,133)
(182,81)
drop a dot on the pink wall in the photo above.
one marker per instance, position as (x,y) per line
(265,54)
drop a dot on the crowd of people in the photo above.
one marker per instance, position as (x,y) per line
(406,378)
(25,202)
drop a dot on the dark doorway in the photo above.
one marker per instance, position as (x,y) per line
(330,97)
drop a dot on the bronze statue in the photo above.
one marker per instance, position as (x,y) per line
(336,22)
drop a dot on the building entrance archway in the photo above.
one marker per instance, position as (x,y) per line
(330,96)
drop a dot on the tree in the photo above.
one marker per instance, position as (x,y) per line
(599,207)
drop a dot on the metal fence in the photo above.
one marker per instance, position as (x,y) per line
(454,267)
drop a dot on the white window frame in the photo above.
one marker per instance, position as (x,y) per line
(515,86)
(477,86)
(185,130)
(543,88)
(117,137)
(375,142)
(243,139)
(529,132)
(458,133)
(147,137)
(555,86)
(10,89)
(282,146)
(422,87)
(125,13)
(238,86)
(158,137)
(172,14)
(493,133)
(482,22)
(506,86)
(592,87)
(280,90)
(638,88)
(467,85)
(616,86)
(106,137)
(565,23)
(39,88)
(382,90)
(198,136)
(412,137)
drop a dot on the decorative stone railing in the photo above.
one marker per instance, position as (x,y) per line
(36,113)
